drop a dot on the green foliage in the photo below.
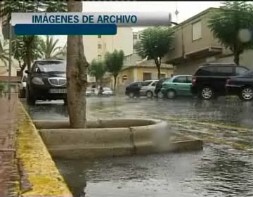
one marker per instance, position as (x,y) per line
(154,42)
(114,63)
(7,7)
(49,48)
(97,69)
(22,46)
(3,87)
(4,53)
(227,22)
(25,47)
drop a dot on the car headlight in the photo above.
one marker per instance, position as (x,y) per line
(37,81)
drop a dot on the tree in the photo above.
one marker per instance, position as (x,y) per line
(49,48)
(76,61)
(154,43)
(231,24)
(114,63)
(7,7)
(97,69)
(4,53)
(23,51)
(77,67)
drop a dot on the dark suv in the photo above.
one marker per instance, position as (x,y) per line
(133,89)
(46,81)
(209,80)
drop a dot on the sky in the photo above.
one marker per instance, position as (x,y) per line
(186,9)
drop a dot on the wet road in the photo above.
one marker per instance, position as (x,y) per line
(223,169)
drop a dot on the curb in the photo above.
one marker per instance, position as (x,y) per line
(110,138)
(39,174)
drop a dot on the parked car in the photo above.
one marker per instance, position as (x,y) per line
(90,91)
(107,91)
(133,89)
(178,85)
(209,80)
(241,86)
(148,88)
(22,86)
(46,81)
(158,87)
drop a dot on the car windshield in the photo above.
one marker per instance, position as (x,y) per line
(51,66)
(107,89)
(248,74)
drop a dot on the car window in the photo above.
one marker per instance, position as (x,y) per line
(107,89)
(181,79)
(240,70)
(146,83)
(49,66)
(206,71)
(134,84)
(248,74)
(189,79)
(154,84)
(224,71)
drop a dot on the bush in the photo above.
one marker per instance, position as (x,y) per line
(2,87)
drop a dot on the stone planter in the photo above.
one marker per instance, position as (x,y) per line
(108,138)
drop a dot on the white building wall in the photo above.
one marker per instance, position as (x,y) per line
(122,41)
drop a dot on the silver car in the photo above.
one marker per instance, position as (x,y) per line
(148,88)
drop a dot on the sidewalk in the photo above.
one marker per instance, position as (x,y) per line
(8,166)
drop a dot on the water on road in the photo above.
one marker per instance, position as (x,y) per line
(223,169)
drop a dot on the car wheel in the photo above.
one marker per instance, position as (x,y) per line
(207,93)
(149,94)
(29,98)
(160,95)
(171,94)
(246,94)
(131,95)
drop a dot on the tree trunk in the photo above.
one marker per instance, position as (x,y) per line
(158,66)
(22,69)
(115,82)
(76,75)
(236,58)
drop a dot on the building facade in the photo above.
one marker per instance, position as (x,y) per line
(95,47)
(194,45)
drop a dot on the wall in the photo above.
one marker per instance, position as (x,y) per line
(122,41)
(186,40)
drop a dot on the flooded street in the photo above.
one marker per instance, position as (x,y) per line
(223,169)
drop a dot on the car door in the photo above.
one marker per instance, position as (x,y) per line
(180,85)
(222,74)
(152,86)
(188,85)
(144,87)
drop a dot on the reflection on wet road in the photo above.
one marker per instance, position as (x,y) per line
(223,169)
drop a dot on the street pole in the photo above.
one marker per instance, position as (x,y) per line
(10,52)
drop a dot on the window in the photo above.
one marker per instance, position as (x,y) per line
(224,71)
(99,36)
(145,83)
(181,79)
(196,31)
(189,79)
(146,76)
(99,57)
(205,71)
(240,70)
(154,84)
(135,36)
(99,46)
